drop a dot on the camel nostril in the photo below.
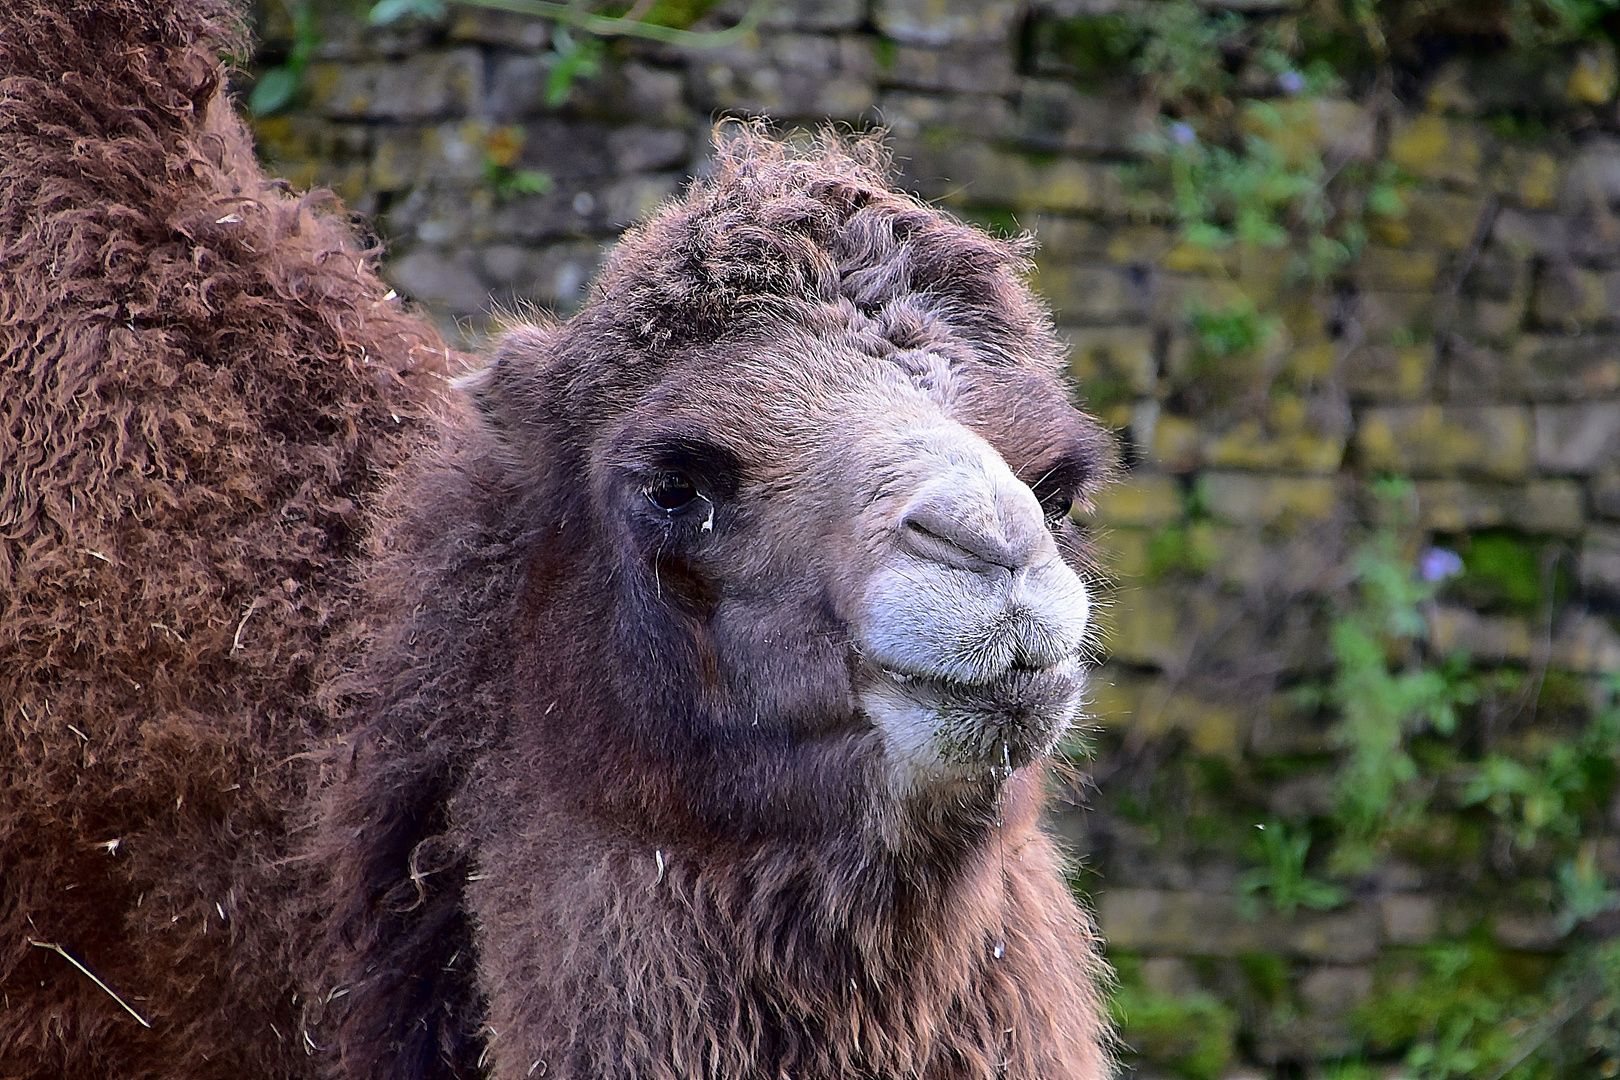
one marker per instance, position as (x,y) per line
(954,544)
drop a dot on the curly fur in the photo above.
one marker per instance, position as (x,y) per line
(201,389)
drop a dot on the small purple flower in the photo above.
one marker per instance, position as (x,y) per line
(1182,134)
(1438,564)
(1291,82)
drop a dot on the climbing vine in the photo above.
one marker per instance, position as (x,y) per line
(1497,777)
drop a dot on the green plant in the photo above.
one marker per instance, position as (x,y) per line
(502,151)
(1383,688)
(1282,852)
(1184,548)
(278,87)
(1192,1035)
(663,20)
(571,58)
(1235,329)
(1451,1017)
(1502,570)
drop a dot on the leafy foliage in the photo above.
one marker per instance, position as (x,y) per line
(1282,852)
(278,87)
(1191,1035)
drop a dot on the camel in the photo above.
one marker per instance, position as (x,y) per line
(689,711)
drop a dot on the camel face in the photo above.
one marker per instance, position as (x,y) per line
(867,536)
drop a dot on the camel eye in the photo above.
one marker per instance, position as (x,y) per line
(1057,508)
(670,491)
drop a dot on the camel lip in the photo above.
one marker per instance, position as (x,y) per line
(1070,670)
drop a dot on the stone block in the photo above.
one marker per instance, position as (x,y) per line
(517,87)
(1145,627)
(946,22)
(429,86)
(1113,695)
(300,137)
(644,148)
(1334,990)
(1473,373)
(1176,923)
(756,86)
(501,29)
(1311,794)
(1144,498)
(443,280)
(978,175)
(1246,558)
(1081,293)
(1388,373)
(1125,553)
(1580,642)
(1600,562)
(1175,444)
(1540,506)
(1527,931)
(1174,295)
(963,69)
(1438,440)
(1397,269)
(633,199)
(1580,439)
(1498,274)
(1604,492)
(1526,234)
(1212,728)
(1588,643)
(1439,150)
(1495,321)
(1258,500)
(1572,299)
(570,210)
(1482,637)
(1309,363)
(1594,174)
(816,15)
(455,152)
(1169,975)
(1529,177)
(1303,128)
(1294,449)
(1433,218)
(649,94)
(1409,918)
(554,276)
(1386,315)
(1568,368)
(1111,353)
(1055,115)
(909,114)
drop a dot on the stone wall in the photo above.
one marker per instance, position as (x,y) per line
(1473,346)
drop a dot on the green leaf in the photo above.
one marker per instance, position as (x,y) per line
(387,11)
(275,90)
(531,182)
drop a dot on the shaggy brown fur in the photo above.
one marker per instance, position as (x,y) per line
(200,389)
(598,825)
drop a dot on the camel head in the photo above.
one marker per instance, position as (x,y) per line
(810,437)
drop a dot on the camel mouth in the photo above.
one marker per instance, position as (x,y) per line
(944,728)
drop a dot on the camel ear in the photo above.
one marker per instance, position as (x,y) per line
(507,392)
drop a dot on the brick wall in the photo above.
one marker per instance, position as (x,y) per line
(1474,346)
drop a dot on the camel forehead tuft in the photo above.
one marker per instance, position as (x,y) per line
(783,232)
